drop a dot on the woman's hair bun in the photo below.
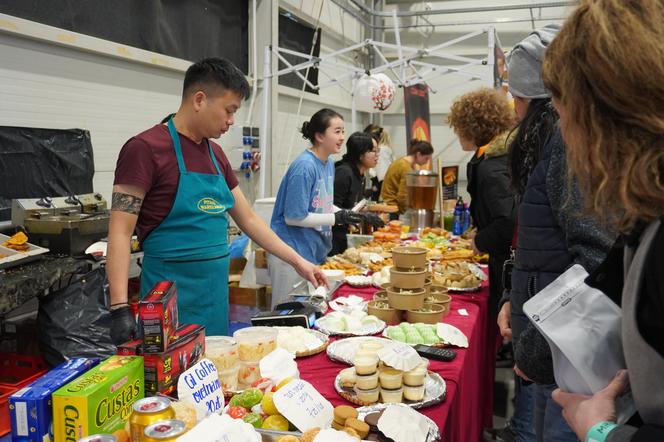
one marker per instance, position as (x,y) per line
(305,131)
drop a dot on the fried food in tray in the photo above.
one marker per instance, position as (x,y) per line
(456,274)
(456,255)
(340,263)
(18,242)
(378,266)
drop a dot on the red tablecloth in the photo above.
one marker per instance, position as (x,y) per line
(468,406)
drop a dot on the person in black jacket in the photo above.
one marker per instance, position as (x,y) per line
(349,183)
(481,120)
(605,72)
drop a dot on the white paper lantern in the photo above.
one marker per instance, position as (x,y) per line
(374,93)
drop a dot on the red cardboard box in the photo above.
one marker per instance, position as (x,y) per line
(131,348)
(158,317)
(163,370)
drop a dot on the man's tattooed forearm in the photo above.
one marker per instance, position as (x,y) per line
(124,202)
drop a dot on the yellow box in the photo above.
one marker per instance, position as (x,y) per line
(100,401)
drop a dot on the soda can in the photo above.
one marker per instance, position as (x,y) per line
(98,438)
(147,411)
(164,431)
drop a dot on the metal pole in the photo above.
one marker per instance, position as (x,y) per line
(397,37)
(264,117)
(492,57)
(353,109)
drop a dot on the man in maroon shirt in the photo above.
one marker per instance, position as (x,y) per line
(175,187)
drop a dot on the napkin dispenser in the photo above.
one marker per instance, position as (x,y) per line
(289,314)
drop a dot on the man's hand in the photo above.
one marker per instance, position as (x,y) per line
(504,321)
(311,273)
(474,247)
(521,374)
(123,326)
(344,217)
(373,220)
(582,412)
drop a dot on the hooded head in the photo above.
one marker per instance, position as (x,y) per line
(525,63)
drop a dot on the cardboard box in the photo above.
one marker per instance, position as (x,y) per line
(100,401)
(158,317)
(131,348)
(163,370)
(250,297)
(260,259)
(31,409)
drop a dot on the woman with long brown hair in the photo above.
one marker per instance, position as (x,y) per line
(606,73)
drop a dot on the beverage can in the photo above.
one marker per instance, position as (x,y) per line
(148,411)
(164,431)
(98,438)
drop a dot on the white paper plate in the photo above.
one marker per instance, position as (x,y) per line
(344,350)
(365,331)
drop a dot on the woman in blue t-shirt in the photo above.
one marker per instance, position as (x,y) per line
(304,211)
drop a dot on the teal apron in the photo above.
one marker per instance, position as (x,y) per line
(190,246)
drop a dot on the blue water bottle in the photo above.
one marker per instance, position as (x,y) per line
(466,217)
(457,222)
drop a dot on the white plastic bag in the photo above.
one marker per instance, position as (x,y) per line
(584,330)
(248,278)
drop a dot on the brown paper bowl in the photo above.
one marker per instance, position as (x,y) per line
(409,257)
(405,301)
(389,315)
(433,317)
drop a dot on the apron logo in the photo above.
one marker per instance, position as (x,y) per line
(210,205)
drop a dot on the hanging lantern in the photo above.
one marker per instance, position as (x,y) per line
(374,93)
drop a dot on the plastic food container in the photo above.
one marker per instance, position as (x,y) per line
(222,351)
(255,342)
(368,396)
(229,378)
(394,396)
(248,373)
(410,279)
(365,364)
(405,299)
(413,393)
(415,377)
(409,257)
(367,382)
(390,378)
(383,311)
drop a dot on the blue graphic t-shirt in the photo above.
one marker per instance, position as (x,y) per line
(307,188)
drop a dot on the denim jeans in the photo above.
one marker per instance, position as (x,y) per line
(521,423)
(550,425)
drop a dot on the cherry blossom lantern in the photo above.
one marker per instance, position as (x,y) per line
(374,93)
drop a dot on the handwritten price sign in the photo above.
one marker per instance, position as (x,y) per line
(300,403)
(200,387)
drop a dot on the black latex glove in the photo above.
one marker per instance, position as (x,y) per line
(345,217)
(373,220)
(123,325)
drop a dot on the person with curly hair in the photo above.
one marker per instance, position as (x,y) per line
(481,119)
(605,73)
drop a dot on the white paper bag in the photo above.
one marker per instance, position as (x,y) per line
(584,330)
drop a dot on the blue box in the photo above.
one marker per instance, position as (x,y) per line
(30,408)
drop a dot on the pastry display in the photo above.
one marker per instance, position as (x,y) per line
(457,275)
(356,322)
(414,334)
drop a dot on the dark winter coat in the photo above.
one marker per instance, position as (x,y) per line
(492,209)
(552,236)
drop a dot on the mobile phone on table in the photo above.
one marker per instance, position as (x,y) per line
(437,353)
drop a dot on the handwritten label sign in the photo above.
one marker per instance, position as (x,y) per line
(200,386)
(300,403)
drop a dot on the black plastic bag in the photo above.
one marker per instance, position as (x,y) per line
(43,162)
(75,321)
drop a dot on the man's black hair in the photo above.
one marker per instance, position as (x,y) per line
(215,73)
